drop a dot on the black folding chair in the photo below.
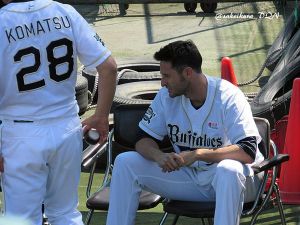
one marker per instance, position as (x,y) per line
(266,193)
(122,138)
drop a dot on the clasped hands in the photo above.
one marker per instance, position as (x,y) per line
(173,161)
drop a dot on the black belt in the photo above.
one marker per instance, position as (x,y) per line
(23,121)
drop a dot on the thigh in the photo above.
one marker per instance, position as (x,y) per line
(228,169)
(64,168)
(25,148)
(180,184)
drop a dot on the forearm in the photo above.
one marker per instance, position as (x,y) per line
(106,86)
(229,152)
(148,148)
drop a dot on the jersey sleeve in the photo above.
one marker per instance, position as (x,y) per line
(238,119)
(90,48)
(153,122)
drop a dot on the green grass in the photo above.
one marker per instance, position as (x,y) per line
(153,216)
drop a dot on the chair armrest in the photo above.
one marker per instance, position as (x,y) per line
(269,163)
(91,153)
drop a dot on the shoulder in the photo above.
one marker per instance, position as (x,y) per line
(222,88)
(229,91)
(65,7)
(2,15)
(227,94)
(161,95)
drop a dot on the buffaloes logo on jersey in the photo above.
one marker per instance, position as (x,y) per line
(149,115)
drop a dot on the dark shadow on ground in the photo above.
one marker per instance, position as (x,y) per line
(271,216)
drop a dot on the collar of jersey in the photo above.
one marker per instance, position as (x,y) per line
(200,115)
(211,89)
(25,7)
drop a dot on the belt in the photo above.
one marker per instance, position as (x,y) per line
(23,121)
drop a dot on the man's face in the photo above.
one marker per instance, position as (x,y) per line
(175,82)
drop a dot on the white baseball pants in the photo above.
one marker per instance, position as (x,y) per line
(223,182)
(42,164)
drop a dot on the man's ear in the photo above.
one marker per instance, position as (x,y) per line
(188,72)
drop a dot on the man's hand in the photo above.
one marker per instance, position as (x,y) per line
(189,157)
(101,124)
(169,161)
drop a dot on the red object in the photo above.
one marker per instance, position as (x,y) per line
(227,71)
(278,136)
(279,133)
(289,177)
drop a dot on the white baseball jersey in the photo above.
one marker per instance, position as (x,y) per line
(38,59)
(224,119)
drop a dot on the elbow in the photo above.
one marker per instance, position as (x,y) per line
(145,143)
(137,145)
(247,159)
(112,67)
(140,144)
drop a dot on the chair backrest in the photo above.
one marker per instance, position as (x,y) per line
(126,120)
(263,127)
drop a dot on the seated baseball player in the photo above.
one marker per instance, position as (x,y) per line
(215,140)
(40,129)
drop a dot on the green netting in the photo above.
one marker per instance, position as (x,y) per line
(296,13)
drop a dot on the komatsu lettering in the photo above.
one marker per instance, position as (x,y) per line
(37,28)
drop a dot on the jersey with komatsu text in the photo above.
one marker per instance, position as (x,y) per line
(38,58)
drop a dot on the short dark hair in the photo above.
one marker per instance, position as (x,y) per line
(180,54)
(1,4)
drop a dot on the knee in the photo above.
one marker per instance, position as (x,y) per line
(124,158)
(129,159)
(230,169)
(230,166)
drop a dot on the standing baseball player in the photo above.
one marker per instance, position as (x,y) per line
(214,137)
(41,132)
